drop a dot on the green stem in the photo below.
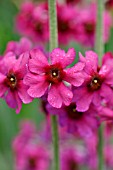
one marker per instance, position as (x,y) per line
(53,25)
(99,44)
(55,142)
(99,48)
(54,44)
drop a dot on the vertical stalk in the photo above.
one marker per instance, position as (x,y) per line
(99,44)
(53,24)
(53,44)
(99,48)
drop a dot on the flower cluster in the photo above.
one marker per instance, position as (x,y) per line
(32,149)
(78,93)
(75,22)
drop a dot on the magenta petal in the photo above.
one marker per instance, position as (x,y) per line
(74,78)
(7,63)
(91,61)
(13,101)
(38,90)
(96,98)
(10,99)
(70,56)
(66,94)
(22,92)
(54,97)
(39,57)
(106,113)
(19,103)
(3,87)
(107,56)
(36,67)
(31,79)
(21,64)
(83,99)
(59,56)
(106,92)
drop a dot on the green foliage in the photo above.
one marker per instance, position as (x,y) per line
(7,13)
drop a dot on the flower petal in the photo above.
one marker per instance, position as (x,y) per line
(106,92)
(91,61)
(38,90)
(59,56)
(74,75)
(54,97)
(31,79)
(13,101)
(82,98)
(22,92)
(39,57)
(66,94)
(3,87)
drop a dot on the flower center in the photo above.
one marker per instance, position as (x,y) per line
(32,163)
(89,28)
(95,83)
(38,27)
(63,26)
(11,80)
(54,73)
(72,112)
(73,165)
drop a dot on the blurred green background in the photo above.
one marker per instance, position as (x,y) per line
(9,120)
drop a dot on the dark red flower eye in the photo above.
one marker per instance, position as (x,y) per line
(95,83)
(54,73)
(11,80)
(72,112)
(32,163)
(89,28)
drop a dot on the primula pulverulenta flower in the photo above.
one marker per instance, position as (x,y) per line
(26,135)
(20,47)
(33,157)
(97,85)
(71,159)
(75,122)
(86,25)
(12,88)
(32,21)
(67,26)
(51,77)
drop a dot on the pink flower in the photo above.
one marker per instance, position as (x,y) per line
(44,77)
(12,88)
(67,26)
(86,25)
(97,85)
(33,157)
(30,153)
(78,123)
(32,21)
(71,159)
(26,135)
(20,47)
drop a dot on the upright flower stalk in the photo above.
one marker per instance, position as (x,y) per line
(99,43)
(99,48)
(54,44)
